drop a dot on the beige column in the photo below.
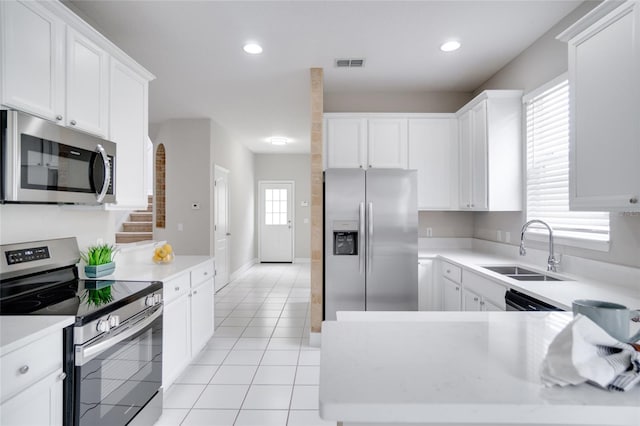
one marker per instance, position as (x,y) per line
(316,199)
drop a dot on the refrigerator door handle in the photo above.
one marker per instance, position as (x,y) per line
(370,238)
(361,238)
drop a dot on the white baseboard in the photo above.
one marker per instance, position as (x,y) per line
(302,260)
(315,339)
(241,270)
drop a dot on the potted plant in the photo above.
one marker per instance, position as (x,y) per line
(99,260)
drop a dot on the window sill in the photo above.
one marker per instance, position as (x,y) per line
(597,244)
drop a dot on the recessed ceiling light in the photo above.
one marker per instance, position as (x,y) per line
(278,140)
(252,48)
(450,46)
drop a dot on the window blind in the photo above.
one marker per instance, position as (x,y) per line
(547,134)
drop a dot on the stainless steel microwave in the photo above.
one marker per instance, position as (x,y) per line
(43,162)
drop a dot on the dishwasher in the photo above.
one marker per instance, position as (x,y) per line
(518,301)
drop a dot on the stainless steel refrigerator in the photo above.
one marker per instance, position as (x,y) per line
(371,241)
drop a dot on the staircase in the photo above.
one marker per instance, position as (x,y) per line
(139,227)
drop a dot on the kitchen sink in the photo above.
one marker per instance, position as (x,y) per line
(510,270)
(521,274)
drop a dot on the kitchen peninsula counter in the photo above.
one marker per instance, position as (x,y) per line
(455,368)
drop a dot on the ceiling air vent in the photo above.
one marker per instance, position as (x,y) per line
(349,63)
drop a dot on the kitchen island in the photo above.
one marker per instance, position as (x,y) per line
(446,368)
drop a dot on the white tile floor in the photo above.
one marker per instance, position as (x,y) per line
(258,369)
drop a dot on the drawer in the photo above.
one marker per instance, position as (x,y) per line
(176,287)
(489,290)
(201,273)
(29,364)
(454,273)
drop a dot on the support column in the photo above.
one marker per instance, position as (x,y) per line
(317,201)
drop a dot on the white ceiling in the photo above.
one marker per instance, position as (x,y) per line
(195,50)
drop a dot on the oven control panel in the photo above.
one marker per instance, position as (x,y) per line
(27,255)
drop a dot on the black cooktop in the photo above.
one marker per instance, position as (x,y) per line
(61,292)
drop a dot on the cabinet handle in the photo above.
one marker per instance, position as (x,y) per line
(473,205)
(448,271)
(59,117)
(360,165)
(73,122)
(195,292)
(633,200)
(475,299)
(370,166)
(457,288)
(482,303)
(177,289)
(62,376)
(24,369)
(206,273)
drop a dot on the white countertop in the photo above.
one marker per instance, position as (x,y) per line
(471,367)
(146,270)
(557,293)
(17,331)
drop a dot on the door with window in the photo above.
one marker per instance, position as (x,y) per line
(276,221)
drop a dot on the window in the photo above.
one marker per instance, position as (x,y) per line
(547,135)
(275,209)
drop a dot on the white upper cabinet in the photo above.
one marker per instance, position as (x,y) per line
(32,59)
(127,128)
(87,85)
(490,152)
(365,141)
(604,76)
(433,152)
(345,142)
(387,143)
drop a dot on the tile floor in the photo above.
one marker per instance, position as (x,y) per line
(258,368)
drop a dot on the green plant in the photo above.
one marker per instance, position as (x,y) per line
(98,255)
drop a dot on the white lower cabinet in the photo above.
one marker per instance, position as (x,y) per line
(176,339)
(188,320)
(471,301)
(428,299)
(202,320)
(451,295)
(39,404)
(32,378)
(465,290)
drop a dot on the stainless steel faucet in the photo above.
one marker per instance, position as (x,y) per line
(552,262)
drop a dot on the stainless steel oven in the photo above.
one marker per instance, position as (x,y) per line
(112,354)
(43,162)
(118,372)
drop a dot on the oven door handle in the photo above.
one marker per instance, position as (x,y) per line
(86,353)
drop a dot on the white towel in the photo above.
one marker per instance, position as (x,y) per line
(583,352)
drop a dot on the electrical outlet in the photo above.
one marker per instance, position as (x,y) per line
(499,235)
(429,232)
(305,220)
(507,237)
(180,227)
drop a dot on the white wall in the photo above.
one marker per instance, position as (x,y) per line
(240,163)
(446,224)
(187,144)
(395,101)
(541,62)
(29,222)
(294,167)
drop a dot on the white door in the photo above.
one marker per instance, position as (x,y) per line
(221,228)
(276,221)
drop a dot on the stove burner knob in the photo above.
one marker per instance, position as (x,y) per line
(114,321)
(150,301)
(158,298)
(103,326)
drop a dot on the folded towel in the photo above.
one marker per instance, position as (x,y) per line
(583,352)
